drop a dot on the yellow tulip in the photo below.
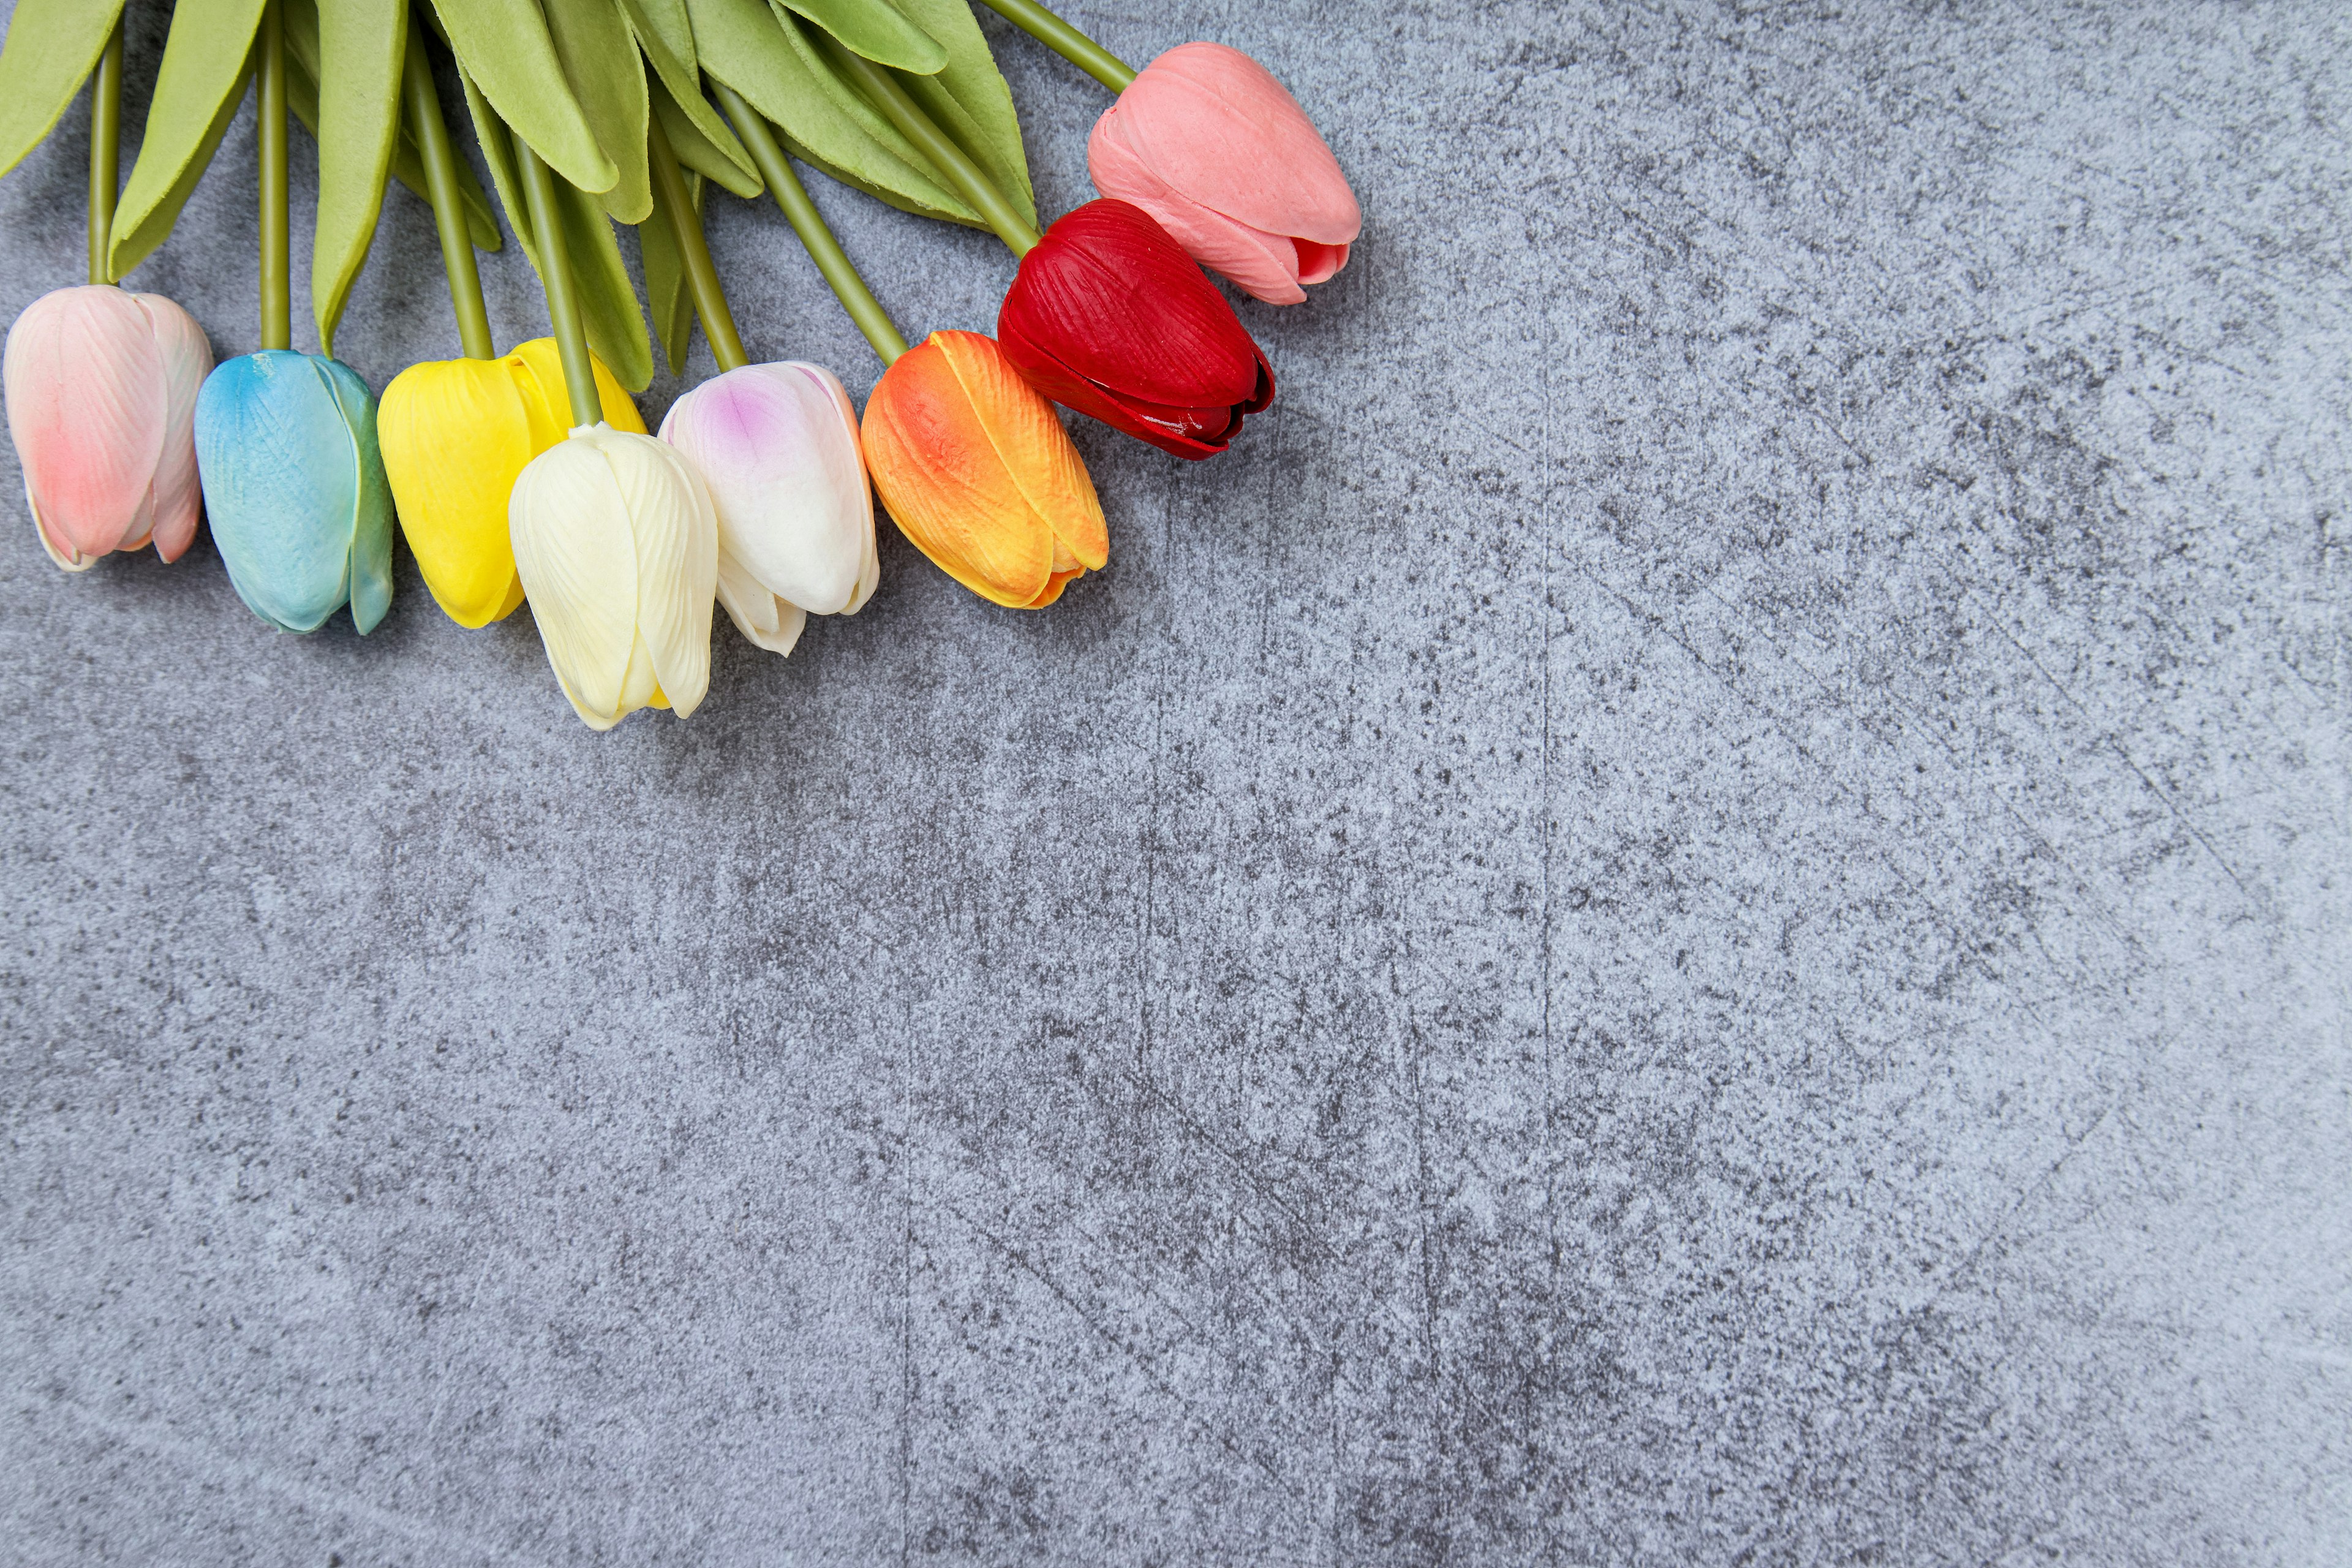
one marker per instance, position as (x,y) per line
(456,435)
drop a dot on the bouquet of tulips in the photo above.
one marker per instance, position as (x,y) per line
(529,476)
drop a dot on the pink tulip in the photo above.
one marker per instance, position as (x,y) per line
(1208,143)
(101,388)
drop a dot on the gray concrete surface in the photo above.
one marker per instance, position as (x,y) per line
(1696,911)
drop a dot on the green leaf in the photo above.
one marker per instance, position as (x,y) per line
(756,51)
(53,45)
(669,301)
(875,30)
(362,44)
(407,160)
(708,145)
(845,101)
(608,300)
(970,100)
(696,152)
(206,60)
(505,49)
(668,21)
(600,59)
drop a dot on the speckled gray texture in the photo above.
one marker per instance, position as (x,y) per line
(1695,912)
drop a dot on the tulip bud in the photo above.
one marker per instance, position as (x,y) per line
(1210,144)
(1110,317)
(102,387)
(618,550)
(456,434)
(777,444)
(978,471)
(295,486)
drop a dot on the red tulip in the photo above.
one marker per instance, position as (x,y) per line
(1111,317)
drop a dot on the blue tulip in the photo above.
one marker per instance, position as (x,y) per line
(295,488)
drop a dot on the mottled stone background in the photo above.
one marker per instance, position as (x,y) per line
(1695,912)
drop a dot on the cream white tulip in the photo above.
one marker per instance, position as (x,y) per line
(619,551)
(779,448)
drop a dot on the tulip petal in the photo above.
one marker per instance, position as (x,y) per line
(68,558)
(677,540)
(1041,458)
(87,407)
(370,585)
(187,359)
(869,566)
(1318,263)
(456,435)
(578,560)
(765,620)
(640,686)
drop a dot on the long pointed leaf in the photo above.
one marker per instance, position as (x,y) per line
(505,51)
(879,31)
(601,61)
(667,298)
(696,150)
(361,46)
(206,58)
(970,99)
(669,21)
(608,300)
(52,46)
(851,105)
(743,43)
(679,96)
(407,162)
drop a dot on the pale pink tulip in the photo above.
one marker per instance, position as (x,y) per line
(101,388)
(1210,144)
(778,447)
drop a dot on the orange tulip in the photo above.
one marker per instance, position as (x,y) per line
(977,471)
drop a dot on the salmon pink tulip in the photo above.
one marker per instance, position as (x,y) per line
(1110,317)
(978,471)
(1210,144)
(102,387)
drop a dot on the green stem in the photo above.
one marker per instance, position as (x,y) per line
(555,277)
(105,149)
(950,160)
(448,205)
(1066,41)
(793,198)
(693,250)
(269,104)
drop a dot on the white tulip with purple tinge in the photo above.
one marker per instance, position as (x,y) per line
(778,447)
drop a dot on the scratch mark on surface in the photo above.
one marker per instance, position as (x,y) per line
(220,1469)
